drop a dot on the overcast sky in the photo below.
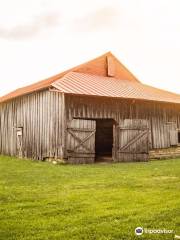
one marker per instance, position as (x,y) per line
(40,38)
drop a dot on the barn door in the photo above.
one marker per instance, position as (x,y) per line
(172,133)
(131,141)
(81,141)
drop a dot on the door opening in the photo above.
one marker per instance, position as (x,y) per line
(104,139)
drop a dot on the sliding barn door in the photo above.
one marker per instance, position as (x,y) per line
(131,141)
(81,141)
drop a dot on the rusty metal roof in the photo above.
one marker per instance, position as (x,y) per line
(96,66)
(88,84)
(90,78)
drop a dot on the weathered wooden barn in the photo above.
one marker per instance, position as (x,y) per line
(97,110)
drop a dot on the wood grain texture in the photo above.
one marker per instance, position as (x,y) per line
(41,117)
(131,141)
(45,117)
(81,141)
(161,117)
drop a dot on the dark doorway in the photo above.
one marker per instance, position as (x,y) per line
(179,137)
(104,139)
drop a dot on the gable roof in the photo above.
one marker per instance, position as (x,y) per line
(97,66)
(102,76)
(88,84)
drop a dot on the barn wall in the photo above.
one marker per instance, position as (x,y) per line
(41,115)
(161,117)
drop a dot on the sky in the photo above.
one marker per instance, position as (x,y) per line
(41,38)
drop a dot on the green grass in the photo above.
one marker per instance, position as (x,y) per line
(81,202)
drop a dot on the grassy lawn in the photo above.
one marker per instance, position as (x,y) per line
(102,201)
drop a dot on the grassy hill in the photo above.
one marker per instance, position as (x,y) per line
(81,202)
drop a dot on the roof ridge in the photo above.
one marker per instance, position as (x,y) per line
(125,68)
(45,83)
(80,69)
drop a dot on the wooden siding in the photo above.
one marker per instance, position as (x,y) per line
(41,117)
(158,115)
(131,141)
(81,141)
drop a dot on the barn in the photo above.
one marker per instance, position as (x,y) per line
(97,111)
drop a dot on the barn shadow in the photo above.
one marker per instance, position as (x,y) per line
(104,140)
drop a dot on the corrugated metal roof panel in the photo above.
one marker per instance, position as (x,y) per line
(95,66)
(87,84)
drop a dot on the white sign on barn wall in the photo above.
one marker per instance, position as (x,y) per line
(19,132)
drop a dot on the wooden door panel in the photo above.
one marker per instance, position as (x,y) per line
(131,140)
(81,141)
